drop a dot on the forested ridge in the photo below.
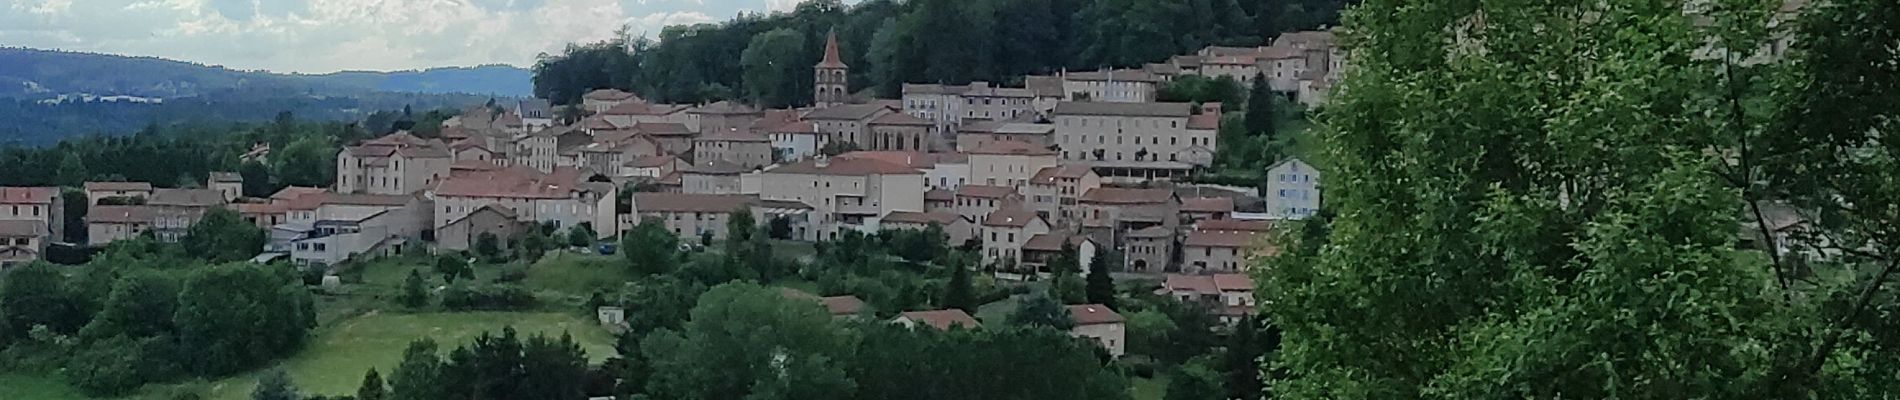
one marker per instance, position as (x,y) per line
(888,43)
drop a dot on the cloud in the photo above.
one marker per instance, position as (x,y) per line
(317,36)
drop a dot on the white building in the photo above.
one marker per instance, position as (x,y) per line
(1292,190)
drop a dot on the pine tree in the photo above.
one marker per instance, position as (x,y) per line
(414,294)
(1260,113)
(72,171)
(1101,286)
(959,293)
(372,388)
(275,385)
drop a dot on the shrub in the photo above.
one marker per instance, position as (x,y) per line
(487,298)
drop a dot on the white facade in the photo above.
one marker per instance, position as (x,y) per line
(1292,190)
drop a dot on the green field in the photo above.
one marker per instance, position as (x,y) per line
(16,386)
(1148,388)
(335,359)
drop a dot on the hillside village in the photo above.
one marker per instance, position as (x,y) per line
(1082,160)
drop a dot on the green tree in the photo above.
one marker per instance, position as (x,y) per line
(239,316)
(372,387)
(488,246)
(37,295)
(777,68)
(581,235)
(1595,259)
(275,385)
(1041,310)
(452,266)
(529,247)
(417,377)
(223,236)
(715,357)
(650,248)
(1261,118)
(258,181)
(959,293)
(415,293)
(1101,286)
(308,161)
(1194,381)
(72,171)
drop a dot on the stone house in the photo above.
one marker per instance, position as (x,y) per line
(398,163)
(463,233)
(797,140)
(724,115)
(1148,249)
(652,166)
(941,170)
(229,184)
(689,216)
(1220,252)
(1292,190)
(1205,208)
(947,106)
(100,190)
(1004,234)
(21,242)
(744,149)
(635,113)
(1228,296)
(1140,221)
(116,222)
(176,210)
(976,202)
(715,177)
(1040,249)
(1101,324)
(1055,192)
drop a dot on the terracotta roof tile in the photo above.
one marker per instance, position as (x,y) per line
(1093,314)
(653,161)
(1204,122)
(186,197)
(607,94)
(1233,225)
(1109,195)
(1179,283)
(1048,175)
(695,203)
(1010,218)
(1208,204)
(900,119)
(1233,282)
(985,192)
(121,214)
(940,195)
(28,195)
(921,218)
(847,112)
(1012,148)
(1220,239)
(846,166)
(643,108)
(1125,109)
(733,136)
(942,319)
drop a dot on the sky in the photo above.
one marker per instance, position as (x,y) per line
(319,36)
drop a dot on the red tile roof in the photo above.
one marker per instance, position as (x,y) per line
(653,161)
(940,195)
(1048,175)
(663,129)
(607,94)
(846,166)
(913,159)
(913,217)
(643,108)
(942,319)
(28,195)
(511,183)
(1010,218)
(186,197)
(1220,239)
(1208,204)
(1233,225)
(733,136)
(1012,148)
(1204,122)
(1109,195)
(831,59)
(1233,282)
(694,203)
(1202,284)
(900,119)
(985,192)
(1093,314)
(121,214)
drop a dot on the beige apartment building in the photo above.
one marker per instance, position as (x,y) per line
(1101,324)
(1004,234)
(564,198)
(1009,163)
(542,150)
(845,193)
(976,202)
(1139,132)
(178,209)
(744,149)
(398,163)
(1293,190)
(947,106)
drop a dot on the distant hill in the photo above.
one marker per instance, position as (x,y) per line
(47,96)
(43,74)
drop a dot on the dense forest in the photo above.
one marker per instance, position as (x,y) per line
(888,43)
(36,74)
